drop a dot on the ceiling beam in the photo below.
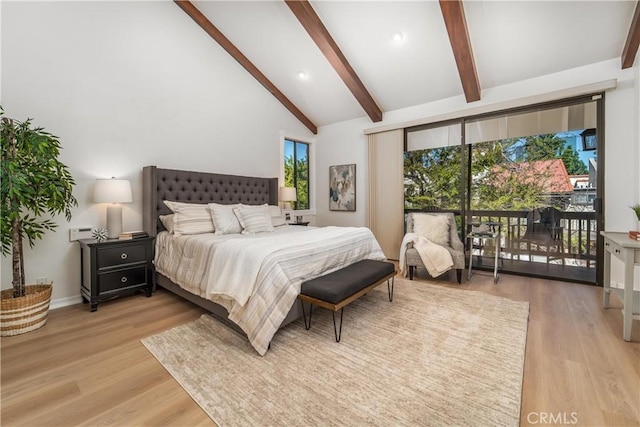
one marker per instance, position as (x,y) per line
(226,44)
(633,40)
(311,22)
(453,14)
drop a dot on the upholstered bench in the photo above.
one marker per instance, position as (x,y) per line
(335,290)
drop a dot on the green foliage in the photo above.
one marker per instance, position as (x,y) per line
(549,146)
(433,177)
(499,183)
(636,209)
(572,162)
(542,147)
(296,174)
(35,186)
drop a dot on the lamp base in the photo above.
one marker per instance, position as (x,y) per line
(114,221)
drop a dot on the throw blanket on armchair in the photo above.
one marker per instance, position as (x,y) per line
(435,258)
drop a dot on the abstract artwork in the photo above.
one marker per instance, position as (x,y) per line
(342,188)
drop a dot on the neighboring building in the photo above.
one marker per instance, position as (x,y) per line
(550,176)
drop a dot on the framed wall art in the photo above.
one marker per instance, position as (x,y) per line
(342,188)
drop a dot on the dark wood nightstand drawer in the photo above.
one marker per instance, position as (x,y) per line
(121,255)
(117,280)
(115,267)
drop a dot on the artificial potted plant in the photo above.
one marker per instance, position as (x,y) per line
(35,186)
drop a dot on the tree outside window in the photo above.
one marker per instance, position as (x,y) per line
(510,174)
(296,171)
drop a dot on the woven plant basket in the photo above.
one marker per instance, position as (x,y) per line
(24,314)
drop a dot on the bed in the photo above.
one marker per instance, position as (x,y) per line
(250,281)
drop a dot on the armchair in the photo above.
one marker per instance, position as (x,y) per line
(454,246)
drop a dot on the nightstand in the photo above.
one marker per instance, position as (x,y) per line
(113,268)
(304,223)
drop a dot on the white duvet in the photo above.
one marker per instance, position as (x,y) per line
(257,277)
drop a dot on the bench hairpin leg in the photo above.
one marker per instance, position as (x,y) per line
(307,326)
(390,289)
(336,331)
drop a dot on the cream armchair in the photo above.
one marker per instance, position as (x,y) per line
(452,244)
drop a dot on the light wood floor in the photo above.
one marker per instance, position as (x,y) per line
(87,368)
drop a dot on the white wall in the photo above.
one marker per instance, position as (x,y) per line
(340,144)
(124,85)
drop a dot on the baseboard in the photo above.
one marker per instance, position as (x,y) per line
(65,302)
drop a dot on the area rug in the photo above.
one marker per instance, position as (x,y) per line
(433,356)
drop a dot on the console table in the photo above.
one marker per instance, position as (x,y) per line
(628,251)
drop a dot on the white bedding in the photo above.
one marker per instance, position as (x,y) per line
(257,277)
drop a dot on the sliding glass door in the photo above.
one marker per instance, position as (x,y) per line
(533,171)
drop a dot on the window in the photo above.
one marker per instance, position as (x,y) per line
(296,171)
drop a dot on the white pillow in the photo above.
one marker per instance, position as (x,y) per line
(190,218)
(174,206)
(276,216)
(224,220)
(432,226)
(254,219)
(167,221)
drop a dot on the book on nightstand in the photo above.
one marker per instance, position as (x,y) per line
(128,235)
(634,235)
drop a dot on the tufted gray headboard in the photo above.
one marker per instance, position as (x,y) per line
(199,187)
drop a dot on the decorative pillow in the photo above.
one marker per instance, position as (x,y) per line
(254,219)
(224,220)
(190,218)
(432,226)
(174,206)
(167,221)
(276,216)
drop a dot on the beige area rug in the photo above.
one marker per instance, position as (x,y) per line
(434,356)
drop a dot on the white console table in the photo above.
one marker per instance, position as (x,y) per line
(628,251)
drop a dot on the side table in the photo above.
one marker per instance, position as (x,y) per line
(113,268)
(486,231)
(628,251)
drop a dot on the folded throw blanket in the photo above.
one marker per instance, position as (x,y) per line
(435,258)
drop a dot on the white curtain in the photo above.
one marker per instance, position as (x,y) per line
(386,190)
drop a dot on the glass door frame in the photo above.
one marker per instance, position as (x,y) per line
(465,160)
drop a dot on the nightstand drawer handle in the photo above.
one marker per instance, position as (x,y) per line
(124,255)
(123,279)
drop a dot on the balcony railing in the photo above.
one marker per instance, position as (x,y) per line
(572,242)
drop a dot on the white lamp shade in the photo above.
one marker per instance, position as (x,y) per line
(112,191)
(288,194)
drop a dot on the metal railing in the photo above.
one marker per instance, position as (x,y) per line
(574,241)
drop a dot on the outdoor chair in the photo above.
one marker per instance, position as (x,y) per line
(544,235)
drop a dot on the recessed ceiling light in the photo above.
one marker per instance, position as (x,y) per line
(302,75)
(398,37)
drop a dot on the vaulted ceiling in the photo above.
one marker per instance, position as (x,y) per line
(330,61)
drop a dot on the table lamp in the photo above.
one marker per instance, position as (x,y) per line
(113,191)
(287,195)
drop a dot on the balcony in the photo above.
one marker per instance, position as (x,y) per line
(564,251)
